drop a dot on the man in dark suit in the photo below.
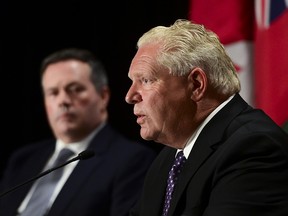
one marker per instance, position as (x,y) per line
(76,94)
(233,158)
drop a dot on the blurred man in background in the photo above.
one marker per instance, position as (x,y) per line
(76,95)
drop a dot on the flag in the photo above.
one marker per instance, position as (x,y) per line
(271,58)
(232,21)
(255,35)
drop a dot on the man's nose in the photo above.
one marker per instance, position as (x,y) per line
(133,96)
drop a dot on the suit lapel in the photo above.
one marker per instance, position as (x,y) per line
(32,169)
(206,145)
(155,186)
(100,143)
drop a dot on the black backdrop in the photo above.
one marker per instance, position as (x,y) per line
(31,31)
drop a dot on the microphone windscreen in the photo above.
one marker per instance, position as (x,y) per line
(86,154)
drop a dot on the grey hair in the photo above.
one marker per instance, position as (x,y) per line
(186,45)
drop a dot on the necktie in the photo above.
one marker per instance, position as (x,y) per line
(172,179)
(38,203)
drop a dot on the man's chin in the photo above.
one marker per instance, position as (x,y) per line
(145,134)
(66,129)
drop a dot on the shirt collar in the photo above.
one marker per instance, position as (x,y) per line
(80,146)
(190,143)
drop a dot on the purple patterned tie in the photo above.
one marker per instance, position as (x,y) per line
(172,179)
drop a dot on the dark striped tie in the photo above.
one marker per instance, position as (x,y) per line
(38,203)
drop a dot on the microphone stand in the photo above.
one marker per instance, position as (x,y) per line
(81,156)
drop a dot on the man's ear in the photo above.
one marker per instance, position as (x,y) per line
(105,95)
(198,81)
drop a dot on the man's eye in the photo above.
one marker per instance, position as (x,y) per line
(76,89)
(144,80)
(51,93)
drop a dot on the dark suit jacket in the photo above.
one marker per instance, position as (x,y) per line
(107,184)
(237,167)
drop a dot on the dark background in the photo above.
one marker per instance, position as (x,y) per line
(31,31)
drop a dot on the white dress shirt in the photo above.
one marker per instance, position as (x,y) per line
(189,145)
(76,147)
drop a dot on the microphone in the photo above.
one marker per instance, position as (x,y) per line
(86,154)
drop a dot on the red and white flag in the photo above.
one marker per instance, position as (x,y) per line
(271,58)
(232,21)
(255,35)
